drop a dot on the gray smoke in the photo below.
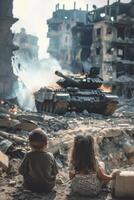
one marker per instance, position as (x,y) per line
(31,77)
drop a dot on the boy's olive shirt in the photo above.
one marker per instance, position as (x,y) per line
(39,169)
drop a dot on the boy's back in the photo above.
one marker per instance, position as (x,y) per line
(39,170)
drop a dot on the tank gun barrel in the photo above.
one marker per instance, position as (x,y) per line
(68,79)
(60,74)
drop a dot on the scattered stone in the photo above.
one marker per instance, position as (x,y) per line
(12,183)
(30,117)
(8,122)
(85,112)
(73,114)
(128,148)
(5,145)
(26,125)
(4,161)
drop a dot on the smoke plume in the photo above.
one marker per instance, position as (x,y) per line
(32,77)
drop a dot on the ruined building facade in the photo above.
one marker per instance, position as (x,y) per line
(7,78)
(113,43)
(69,37)
(103,38)
(28,48)
(113,40)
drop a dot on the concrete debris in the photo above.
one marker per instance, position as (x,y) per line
(13,137)
(123,184)
(5,145)
(113,136)
(7,122)
(4,161)
(26,125)
(31,117)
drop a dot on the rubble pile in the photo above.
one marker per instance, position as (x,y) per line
(116,147)
(114,136)
(126,108)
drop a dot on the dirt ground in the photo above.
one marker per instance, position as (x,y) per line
(59,128)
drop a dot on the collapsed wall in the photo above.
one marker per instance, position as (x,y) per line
(7,78)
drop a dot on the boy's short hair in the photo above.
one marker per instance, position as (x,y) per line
(39,137)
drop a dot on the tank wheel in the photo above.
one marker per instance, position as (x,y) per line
(60,107)
(46,106)
(110,108)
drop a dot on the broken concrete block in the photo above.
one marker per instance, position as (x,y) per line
(5,145)
(33,117)
(131,160)
(128,148)
(123,186)
(26,125)
(4,161)
(6,121)
(111,132)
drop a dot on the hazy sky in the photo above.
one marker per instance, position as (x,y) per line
(33,14)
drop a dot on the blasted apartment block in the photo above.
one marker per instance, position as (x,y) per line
(7,78)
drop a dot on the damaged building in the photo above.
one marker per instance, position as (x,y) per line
(103,38)
(113,45)
(70,38)
(28,48)
(7,78)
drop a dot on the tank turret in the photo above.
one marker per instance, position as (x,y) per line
(89,81)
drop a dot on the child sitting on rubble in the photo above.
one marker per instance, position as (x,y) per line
(86,173)
(39,168)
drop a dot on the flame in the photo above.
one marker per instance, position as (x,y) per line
(54,86)
(106,88)
(13,110)
(2,102)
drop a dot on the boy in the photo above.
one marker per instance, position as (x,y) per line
(39,168)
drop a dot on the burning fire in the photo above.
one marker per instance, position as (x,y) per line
(106,88)
(13,110)
(2,102)
(54,86)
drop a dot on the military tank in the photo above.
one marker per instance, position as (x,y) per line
(76,93)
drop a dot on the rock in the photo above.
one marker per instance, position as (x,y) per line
(59,181)
(129,114)
(13,137)
(4,161)
(128,148)
(5,145)
(111,132)
(123,125)
(12,183)
(85,112)
(131,160)
(73,114)
(4,116)
(30,117)
(26,125)
(99,139)
(8,122)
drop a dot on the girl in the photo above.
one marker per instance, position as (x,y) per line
(86,173)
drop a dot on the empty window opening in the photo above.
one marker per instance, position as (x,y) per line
(98,32)
(121,32)
(98,50)
(120,52)
(109,30)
